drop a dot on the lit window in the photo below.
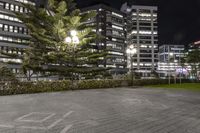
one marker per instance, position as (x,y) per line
(144,14)
(116,14)
(7,6)
(134,14)
(1,16)
(11,18)
(17,8)
(117,27)
(134,32)
(113,39)
(155,15)
(144,32)
(16,29)
(6,17)
(11,28)
(12,7)
(10,39)
(5,27)
(143,46)
(1,4)
(145,19)
(21,9)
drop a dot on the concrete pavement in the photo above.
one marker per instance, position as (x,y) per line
(121,110)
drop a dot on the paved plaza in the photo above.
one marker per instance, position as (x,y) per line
(121,110)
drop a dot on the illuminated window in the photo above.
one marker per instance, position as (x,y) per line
(17,8)
(155,15)
(117,27)
(6,17)
(144,14)
(144,32)
(116,14)
(11,28)
(21,10)
(5,27)
(1,3)
(134,32)
(9,18)
(113,39)
(7,6)
(12,7)
(16,29)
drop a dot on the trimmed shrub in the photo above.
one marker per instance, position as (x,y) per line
(64,85)
(91,84)
(35,87)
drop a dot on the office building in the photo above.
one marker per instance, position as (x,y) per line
(111,24)
(193,46)
(14,36)
(178,52)
(170,57)
(143,34)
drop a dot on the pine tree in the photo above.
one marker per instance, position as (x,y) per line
(48,52)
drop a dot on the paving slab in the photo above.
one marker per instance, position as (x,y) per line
(119,110)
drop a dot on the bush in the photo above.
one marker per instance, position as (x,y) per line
(6,74)
(35,87)
(91,84)
(52,86)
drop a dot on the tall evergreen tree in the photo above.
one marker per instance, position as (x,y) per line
(49,53)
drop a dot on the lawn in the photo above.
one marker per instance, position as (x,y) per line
(185,86)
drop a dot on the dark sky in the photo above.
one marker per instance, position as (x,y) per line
(179,20)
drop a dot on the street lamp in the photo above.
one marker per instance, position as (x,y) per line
(169,73)
(131,51)
(74,40)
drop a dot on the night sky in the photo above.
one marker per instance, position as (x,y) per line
(179,20)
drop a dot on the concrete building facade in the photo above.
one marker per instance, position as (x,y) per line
(143,34)
(170,56)
(111,24)
(14,36)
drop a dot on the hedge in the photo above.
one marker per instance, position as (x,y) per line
(52,86)
(35,87)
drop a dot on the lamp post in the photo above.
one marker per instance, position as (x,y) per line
(169,74)
(73,40)
(131,51)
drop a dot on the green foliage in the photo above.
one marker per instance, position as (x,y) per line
(35,87)
(53,86)
(48,51)
(6,74)
(91,84)
(193,58)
